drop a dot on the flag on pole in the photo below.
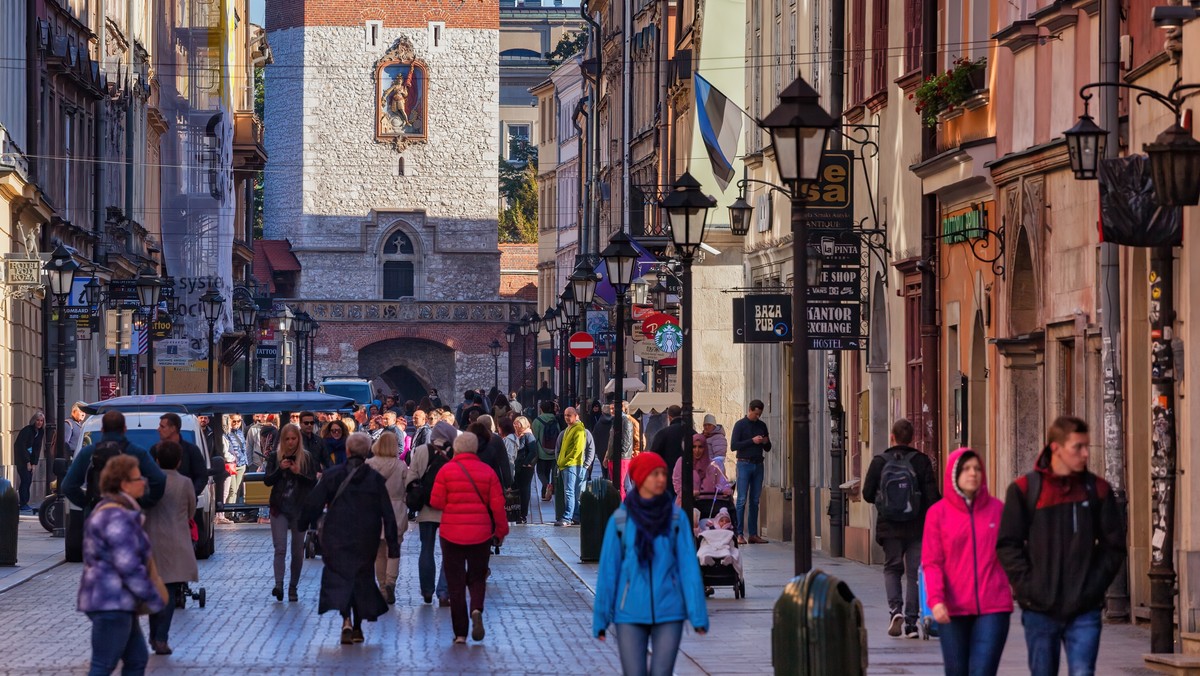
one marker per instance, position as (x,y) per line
(720,127)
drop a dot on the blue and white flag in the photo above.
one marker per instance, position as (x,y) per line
(720,127)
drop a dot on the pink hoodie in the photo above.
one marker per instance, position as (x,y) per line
(958,550)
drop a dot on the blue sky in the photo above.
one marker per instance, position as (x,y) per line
(257,8)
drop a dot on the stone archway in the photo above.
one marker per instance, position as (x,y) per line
(410,366)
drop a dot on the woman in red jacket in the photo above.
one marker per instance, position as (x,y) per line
(468,493)
(965,585)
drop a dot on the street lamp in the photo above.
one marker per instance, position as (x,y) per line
(286,320)
(799,127)
(301,324)
(1086,142)
(494,347)
(571,309)
(211,303)
(619,256)
(313,327)
(149,289)
(60,276)
(739,216)
(687,210)
(528,326)
(1174,166)
(247,314)
(510,336)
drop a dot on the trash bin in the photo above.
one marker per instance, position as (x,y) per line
(818,628)
(597,503)
(10,513)
(73,541)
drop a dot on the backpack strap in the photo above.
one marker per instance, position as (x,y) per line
(1033,490)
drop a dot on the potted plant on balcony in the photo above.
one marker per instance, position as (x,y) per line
(946,90)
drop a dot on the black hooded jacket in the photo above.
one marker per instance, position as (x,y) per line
(1061,557)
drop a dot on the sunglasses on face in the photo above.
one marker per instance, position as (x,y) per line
(306,422)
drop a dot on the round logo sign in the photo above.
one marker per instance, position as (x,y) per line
(669,338)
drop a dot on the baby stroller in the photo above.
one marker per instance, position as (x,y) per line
(719,535)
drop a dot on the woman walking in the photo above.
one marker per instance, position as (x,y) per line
(171,539)
(385,460)
(335,434)
(27,450)
(290,472)
(116,583)
(523,469)
(472,502)
(357,507)
(967,589)
(649,580)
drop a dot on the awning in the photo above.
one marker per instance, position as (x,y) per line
(654,401)
(631,385)
(247,403)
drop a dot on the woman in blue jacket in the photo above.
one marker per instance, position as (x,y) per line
(649,580)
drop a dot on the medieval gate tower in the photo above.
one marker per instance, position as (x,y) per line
(382,123)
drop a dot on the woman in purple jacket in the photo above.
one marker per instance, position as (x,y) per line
(967,590)
(116,580)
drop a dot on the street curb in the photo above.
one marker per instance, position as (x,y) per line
(28,574)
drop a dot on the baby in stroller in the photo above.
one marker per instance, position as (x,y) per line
(717,544)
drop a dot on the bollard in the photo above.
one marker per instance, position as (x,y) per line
(596,504)
(818,629)
(9,521)
(560,498)
(73,542)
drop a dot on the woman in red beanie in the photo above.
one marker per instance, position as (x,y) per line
(649,580)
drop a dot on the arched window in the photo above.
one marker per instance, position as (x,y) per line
(399,266)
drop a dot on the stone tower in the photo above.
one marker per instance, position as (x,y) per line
(383,136)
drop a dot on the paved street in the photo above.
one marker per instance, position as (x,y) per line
(538,619)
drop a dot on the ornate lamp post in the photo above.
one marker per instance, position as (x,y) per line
(687,210)
(60,276)
(301,324)
(494,348)
(211,303)
(510,336)
(286,321)
(526,327)
(799,128)
(619,256)
(570,307)
(313,327)
(247,314)
(583,283)
(149,288)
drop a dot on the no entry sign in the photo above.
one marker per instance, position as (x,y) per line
(582,345)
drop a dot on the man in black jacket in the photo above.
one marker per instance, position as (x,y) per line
(900,536)
(673,441)
(1061,542)
(192,464)
(750,441)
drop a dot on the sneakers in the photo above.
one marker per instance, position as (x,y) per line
(562,524)
(910,631)
(477,625)
(894,625)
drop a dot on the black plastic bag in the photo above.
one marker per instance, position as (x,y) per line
(1130,214)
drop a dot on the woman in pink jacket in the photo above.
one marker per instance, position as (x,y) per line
(967,589)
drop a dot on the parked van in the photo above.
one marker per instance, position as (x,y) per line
(358,389)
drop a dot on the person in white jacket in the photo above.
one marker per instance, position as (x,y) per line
(386,461)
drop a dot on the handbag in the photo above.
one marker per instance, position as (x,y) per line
(155,579)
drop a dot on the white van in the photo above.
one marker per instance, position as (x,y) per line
(142,430)
(358,389)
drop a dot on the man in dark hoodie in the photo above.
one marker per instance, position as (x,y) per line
(750,441)
(673,441)
(898,475)
(1061,543)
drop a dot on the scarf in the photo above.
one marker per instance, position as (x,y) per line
(652,518)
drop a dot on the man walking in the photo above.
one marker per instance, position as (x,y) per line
(750,441)
(673,441)
(576,450)
(1061,543)
(192,463)
(902,485)
(309,437)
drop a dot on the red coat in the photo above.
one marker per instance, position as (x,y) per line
(958,551)
(465,519)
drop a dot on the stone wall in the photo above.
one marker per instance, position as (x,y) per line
(352,193)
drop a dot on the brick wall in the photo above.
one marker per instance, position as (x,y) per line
(455,13)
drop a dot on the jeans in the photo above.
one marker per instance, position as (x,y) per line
(117,637)
(972,644)
(749,489)
(160,622)
(281,527)
(901,559)
(1080,636)
(425,563)
(632,640)
(572,481)
(466,568)
(524,479)
(26,476)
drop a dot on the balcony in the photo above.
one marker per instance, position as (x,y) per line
(249,154)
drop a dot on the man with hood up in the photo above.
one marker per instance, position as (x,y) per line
(1061,543)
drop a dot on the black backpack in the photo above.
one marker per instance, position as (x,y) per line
(101,453)
(420,490)
(899,497)
(550,432)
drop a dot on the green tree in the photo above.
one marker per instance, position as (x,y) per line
(259,110)
(568,45)
(518,187)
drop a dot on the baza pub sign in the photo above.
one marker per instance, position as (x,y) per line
(762,318)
